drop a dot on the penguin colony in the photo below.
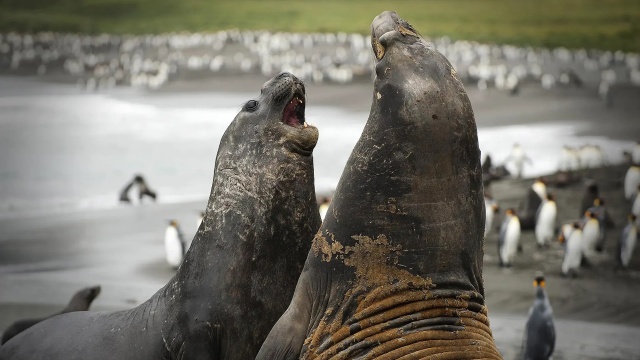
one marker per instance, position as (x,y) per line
(104,61)
(582,240)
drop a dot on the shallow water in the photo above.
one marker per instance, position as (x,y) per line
(65,150)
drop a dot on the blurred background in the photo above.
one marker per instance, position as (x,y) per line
(95,92)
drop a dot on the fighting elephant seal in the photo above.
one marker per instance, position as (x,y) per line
(395,271)
(243,264)
(80,301)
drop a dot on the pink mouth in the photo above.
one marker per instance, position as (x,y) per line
(294,112)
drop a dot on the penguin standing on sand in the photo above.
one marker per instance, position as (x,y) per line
(591,192)
(635,154)
(539,333)
(174,244)
(627,242)
(631,182)
(590,234)
(546,221)
(565,232)
(572,252)
(519,157)
(635,207)
(200,218)
(324,207)
(535,195)
(600,211)
(492,209)
(509,238)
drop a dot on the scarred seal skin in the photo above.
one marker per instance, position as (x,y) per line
(242,267)
(395,271)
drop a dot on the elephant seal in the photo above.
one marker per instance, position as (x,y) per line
(396,268)
(79,302)
(242,267)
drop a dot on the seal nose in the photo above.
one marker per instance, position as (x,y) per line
(383,23)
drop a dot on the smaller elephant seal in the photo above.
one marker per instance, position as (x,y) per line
(79,302)
(242,267)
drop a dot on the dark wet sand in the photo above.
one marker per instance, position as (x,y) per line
(45,259)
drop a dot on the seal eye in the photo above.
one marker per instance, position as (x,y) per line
(251,106)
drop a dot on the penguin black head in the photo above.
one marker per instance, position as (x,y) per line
(539,280)
(551,197)
(173,223)
(598,201)
(576,225)
(510,211)
(632,218)
(495,208)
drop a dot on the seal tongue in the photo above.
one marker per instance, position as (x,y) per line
(294,113)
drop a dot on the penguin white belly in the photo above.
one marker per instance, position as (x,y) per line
(635,208)
(572,252)
(173,247)
(635,154)
(511,239)
(546,223)
(488,219)
(631,182)
(628,245)
(590,234)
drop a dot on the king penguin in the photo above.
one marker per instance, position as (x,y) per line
(627,242)
(572,252)
(565,232)
(539,334)
(635,207)
(492,209)
(590,234)
(546,221)
(600,211)
(635,154)
(509,238)
(631,182)
(536,194)
(174,244)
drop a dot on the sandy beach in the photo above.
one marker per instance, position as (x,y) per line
(44,259)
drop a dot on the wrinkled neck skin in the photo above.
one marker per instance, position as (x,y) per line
(396,267)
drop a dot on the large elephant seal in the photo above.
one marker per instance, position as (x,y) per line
(244,262)
(395,271)
(80,301)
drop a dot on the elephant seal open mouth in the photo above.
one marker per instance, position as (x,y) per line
(244,261)
(395,271)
